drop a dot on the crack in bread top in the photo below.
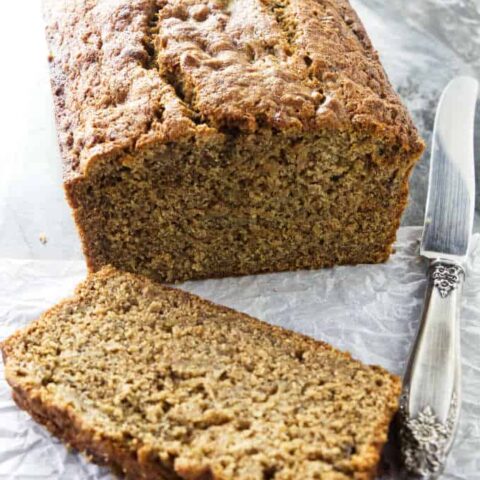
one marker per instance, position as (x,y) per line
(127,75)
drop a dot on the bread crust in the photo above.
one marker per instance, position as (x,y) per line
(130,75)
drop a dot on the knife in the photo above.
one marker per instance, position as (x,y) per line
(430,400)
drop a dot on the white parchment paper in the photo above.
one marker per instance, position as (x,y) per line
(370,310)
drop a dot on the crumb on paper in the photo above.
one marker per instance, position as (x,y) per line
(43,239)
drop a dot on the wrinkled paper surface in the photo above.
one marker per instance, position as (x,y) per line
(370,310)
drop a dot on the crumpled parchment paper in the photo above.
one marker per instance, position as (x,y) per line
(370,310)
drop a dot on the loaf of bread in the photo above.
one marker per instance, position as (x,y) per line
(205,138)
(160,384)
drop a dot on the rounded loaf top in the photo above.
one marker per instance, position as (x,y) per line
(127,74)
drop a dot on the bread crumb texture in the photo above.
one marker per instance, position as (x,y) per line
(160,384)
(224,137)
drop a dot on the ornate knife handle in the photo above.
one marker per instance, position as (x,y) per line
(429,405)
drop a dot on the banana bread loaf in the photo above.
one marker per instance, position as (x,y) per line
(206,138)
(161,384)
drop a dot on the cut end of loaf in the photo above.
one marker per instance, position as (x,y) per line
(242,204)
(162,384)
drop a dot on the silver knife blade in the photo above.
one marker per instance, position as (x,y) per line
(451,192)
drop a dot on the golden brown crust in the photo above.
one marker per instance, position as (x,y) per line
(130,75)
(64,418)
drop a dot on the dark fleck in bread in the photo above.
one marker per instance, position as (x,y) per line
(161,384)
(226,137)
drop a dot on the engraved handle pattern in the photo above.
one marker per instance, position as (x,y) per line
(429,405)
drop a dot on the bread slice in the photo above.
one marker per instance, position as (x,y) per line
(214,138)
(161,384)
